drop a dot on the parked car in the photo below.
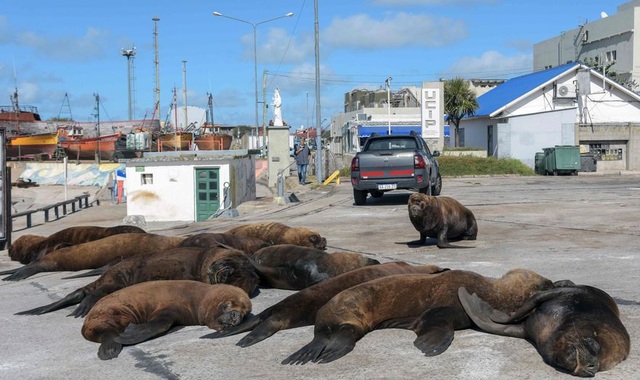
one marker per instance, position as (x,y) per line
(394,162)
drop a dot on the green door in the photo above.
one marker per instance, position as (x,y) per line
(207,193)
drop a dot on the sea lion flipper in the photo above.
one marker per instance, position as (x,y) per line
(325,349)
(136,333)
(109,349)
(21,273)
(10,271)
(247,325)
(435,329)
(260,332)
(85,305)
(71,299)
(481,313)
(92,272)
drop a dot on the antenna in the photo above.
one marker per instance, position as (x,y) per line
(130,55)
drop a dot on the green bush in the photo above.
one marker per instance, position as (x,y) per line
(451,166)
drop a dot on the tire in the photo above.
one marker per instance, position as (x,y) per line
(359,197)
(436,189)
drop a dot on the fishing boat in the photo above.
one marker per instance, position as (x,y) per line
(174,141)
(210,140)
(40,146)
(108,147)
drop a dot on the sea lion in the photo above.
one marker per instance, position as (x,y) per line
(278,233)
(248,245)
(425,303)
(144,311)
(216,265)
(442,218)
(300,308)
(292,267)
(576,329)
(95,254)
(28,248)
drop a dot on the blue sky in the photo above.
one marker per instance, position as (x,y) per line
(49,48)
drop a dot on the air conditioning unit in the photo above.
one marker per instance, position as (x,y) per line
(362,117)
(566,91)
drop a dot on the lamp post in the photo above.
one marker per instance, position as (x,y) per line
(255,57)
(388,84)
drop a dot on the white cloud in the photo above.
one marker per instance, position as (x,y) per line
(491,64)
(396,30)
(87,47)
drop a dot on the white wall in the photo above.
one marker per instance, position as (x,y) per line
(171,196)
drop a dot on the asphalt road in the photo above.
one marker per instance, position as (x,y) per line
(584,228)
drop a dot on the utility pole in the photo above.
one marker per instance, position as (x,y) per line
(318,115)
(184,90)
(156,63)
(130,55)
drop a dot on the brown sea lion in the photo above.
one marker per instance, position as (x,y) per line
(575,328)
(292,267)
(28,248)
(278,233)
(216,265)
(248,245)
(95,254)
(300,308)
(425,303)
(442,218)
(144,311)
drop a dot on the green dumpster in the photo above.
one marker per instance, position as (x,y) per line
(561,159)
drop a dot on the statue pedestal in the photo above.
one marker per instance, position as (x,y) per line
(278,156)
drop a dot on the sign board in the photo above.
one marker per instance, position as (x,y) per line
(432,111)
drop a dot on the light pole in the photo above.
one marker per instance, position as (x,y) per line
(255,57)
(388,84)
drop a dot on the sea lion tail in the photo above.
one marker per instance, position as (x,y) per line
(71,299)
(21,273)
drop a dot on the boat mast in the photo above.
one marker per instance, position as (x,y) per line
(156,63)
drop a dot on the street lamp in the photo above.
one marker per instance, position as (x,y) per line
(255,57)
(388,84)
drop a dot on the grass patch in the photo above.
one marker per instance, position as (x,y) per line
(451,166)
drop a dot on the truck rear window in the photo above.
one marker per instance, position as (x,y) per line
(385,144)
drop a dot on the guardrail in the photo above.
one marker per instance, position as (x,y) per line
(59,209)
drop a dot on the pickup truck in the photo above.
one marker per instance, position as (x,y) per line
(394,162)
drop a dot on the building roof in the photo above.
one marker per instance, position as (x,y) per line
(501,96)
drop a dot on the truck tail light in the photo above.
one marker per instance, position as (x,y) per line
(418,162)
(355,164)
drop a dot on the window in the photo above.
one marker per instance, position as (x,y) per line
(612,55)
(147,178)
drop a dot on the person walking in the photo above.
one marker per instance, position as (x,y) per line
(301,156)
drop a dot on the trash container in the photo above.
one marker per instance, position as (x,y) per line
(562,159)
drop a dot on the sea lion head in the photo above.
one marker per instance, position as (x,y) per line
(226,306)
(234,272)
(22,249)
(304,237)
(418,204)
(577,354)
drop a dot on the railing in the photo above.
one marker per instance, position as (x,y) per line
(59,209)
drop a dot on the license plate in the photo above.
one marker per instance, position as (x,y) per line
(387,186)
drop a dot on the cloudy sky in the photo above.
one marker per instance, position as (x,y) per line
(52,48)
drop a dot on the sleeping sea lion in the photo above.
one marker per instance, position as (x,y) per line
(278,233)
(425,303)
(144,311)
(210,239)
(292,267)
(215,265)
(442,218)
(94,254)
(576,329)
(300,308)
(30,247)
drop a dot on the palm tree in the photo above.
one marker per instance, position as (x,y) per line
(459,101)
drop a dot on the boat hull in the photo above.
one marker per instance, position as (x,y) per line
(110,147)
(42,146)
(213,142)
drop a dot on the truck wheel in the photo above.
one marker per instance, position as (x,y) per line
(359,197)
(436,189)
(425,190)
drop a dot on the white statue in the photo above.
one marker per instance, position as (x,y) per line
(277,108)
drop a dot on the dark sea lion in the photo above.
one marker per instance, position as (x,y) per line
(210,239)
(425,303)
(288,266)
(28,248)
(576,329)
(144,311)
(300,308)
(215,265)
(278,233)
(95,254)
(442,218)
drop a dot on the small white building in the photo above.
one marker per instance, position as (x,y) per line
(189,186)
(566,105)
